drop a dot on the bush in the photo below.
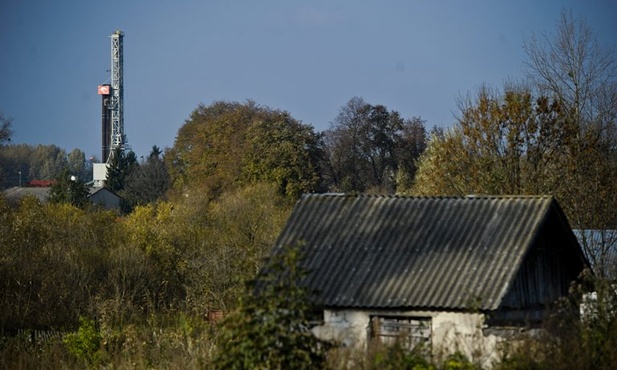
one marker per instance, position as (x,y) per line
(458,361)
(570,341)
(86,342)
(397,357)
(270,327)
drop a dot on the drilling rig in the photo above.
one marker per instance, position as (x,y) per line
(112,118)
(118,140)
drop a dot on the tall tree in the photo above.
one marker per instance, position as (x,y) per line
(343,147)
(68,188)
(409,148)
(502,144)
(147,181)
(14,164)
(368,145)
(40,162)
(78,166)
(572,66)
(285,152)
(47,162)
(226,145)
(513,144)
(118,169)
(5,128)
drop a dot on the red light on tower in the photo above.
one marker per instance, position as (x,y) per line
(103,90)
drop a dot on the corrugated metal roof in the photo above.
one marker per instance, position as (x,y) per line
(15,194)
(420,252)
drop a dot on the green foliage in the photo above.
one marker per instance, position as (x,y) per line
(228,145)
(54,260)
(147,181)
(557,136)
(67,188)
(369,148)
(79,166)
(282,151)
(15,164)
(41,162)
(242,227)
(522,361)
(502,144)
(151,277)
(162,340)
(47,162)
(598,327)
(458,361)
(569,340)
(270,327)
(86,342)
(562,141)
(119,167)
(155,235)
(396,357)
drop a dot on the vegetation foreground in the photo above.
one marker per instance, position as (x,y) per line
(123,326)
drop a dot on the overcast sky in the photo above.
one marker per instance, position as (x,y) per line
(306,57)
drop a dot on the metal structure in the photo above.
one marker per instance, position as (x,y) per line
(116,104)
(105,92)
(112,117)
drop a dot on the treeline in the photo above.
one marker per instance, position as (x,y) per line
(226,145)
(21,163)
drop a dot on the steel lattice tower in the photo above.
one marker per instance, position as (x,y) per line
(118,139)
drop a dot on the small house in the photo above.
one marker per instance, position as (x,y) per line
(15,194)
(104,198)
(447,273)
(100,196)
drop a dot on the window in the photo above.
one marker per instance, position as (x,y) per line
(315,318)
(409,331)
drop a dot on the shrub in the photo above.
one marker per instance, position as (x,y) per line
(86,342)
(397,357)
(270,327)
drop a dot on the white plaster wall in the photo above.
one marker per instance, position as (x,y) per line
(462,332)
(347,327)
(451,332)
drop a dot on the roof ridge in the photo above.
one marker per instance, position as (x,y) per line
(468,196)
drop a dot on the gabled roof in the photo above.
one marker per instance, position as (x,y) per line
(420,252)
(17,193)
(100,195)
(104,197)
(100,189)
